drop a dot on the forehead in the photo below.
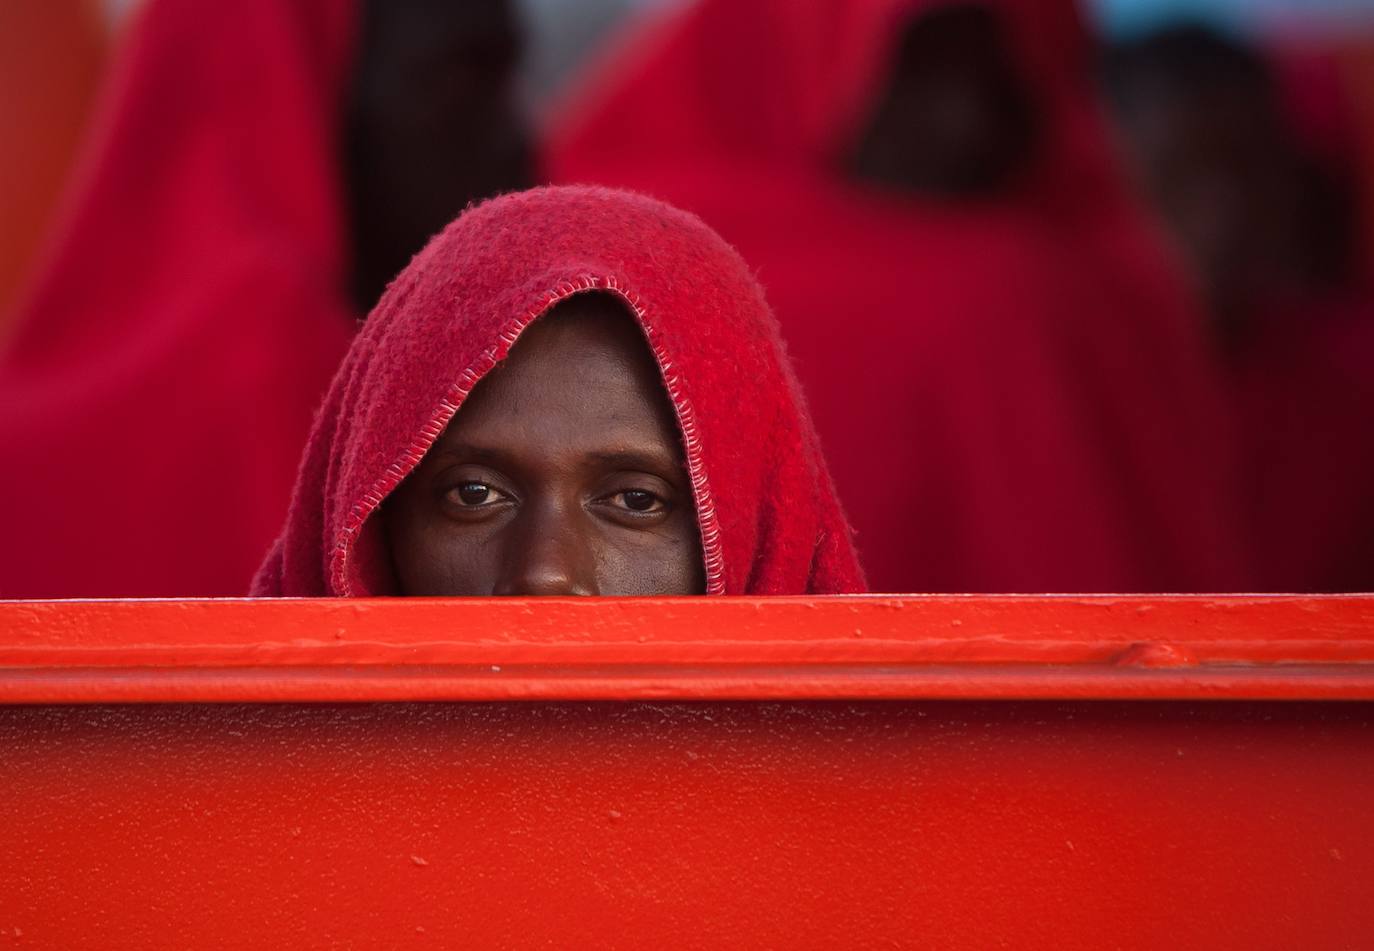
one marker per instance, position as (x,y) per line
(581,377)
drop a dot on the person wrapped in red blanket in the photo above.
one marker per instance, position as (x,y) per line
(163,370)
(1251,158)
(1011,387)
(571,391)
(258,171)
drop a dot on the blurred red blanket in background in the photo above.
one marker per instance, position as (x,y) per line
(163,371)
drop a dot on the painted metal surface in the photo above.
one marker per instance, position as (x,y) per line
(1171,647)
(820,821)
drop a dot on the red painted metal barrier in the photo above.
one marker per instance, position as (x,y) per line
(951,772)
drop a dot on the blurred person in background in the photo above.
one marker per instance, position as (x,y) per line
(1247,158)
(256,173)
(1357,65)
(431,126)
(1009,383)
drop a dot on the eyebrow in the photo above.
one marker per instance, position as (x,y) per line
(468,451)
(646,460)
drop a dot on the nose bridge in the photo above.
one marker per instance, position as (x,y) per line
(550,553)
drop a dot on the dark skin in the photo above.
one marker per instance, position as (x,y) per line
(561,474)
(955,121)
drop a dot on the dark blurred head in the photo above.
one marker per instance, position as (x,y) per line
(431,126)
(1205,123)
(956,118)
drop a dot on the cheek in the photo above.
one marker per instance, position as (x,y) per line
(435,558)
(651,563)
(461,564)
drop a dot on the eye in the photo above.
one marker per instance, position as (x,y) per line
(472,494)
(640,501)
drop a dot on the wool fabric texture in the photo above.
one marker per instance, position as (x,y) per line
(1014,392)
(769,519)
(159,384)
